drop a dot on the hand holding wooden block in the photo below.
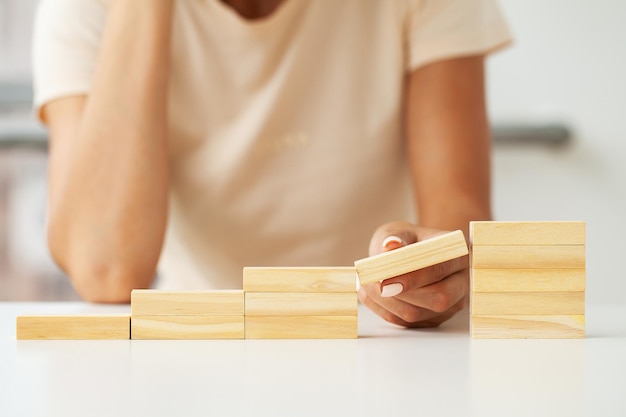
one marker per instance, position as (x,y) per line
(411,257)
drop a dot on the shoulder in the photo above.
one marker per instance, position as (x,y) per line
(442,29)
(70,14)
(66,38)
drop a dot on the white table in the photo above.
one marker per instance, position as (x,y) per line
(388,371)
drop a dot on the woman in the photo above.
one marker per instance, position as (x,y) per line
(197,137)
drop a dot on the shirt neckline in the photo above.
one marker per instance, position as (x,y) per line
(234,18)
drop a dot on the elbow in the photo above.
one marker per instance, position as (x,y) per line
(103,284)
(99,278)
(110,282)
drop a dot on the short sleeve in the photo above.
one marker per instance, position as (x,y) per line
(442,29)
(66,39)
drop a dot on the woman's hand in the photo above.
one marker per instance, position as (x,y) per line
(424,298)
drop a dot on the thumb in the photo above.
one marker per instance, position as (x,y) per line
(391,236)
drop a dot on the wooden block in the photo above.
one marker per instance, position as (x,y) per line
(527,303)
(301,327)
(187,327)
(411,257)
(528,257)
(527,233)
(72,327)
(528,327)
(527,280)
(198,303)
(301,304)
(291,279)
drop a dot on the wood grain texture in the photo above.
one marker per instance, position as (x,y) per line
(527,280)
(301,304)
(528,257)
(527,233)
(207,303)
(411,257)
(301,327)
(301,279)
(528,327)
(187,327)
(115,327)
(527,303)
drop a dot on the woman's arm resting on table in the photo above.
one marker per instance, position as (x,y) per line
(108,167)
(448,146)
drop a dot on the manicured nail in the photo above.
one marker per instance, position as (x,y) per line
(392,242)
(391,290)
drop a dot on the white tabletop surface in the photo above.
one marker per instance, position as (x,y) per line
(388,371)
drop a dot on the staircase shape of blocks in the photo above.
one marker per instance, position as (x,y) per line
(275,303)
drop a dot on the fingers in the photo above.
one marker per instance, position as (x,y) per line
(422,298)
(440,296)
(405,314)
(419,303)
(427,276)
(393,310)
(391,236)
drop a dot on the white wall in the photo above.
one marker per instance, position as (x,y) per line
(15,36)
(567,64)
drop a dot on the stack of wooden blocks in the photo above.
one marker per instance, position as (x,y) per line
(300,303)
(187,314)
(527,279)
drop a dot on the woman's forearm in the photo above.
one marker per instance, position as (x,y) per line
(449,146)
(109,158)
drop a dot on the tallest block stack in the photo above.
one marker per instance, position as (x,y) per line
(528,279)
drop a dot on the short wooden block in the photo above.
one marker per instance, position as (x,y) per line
(528,327)
(301,304)
(527,280)
(292,279)
(197,303)
(411,257)
(527,233)
(528,257)
(527,303)
(187,327)
(301,327)
(73,327)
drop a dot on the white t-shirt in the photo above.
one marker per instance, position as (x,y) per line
(285,133)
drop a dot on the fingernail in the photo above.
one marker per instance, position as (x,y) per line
(391,290)
(392,242)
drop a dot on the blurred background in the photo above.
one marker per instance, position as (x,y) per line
(26,270)
(557,101)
